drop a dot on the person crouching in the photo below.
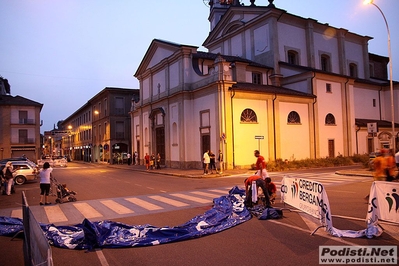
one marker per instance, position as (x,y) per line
(248,190)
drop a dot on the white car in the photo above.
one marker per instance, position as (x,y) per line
(56,161)
(60,161)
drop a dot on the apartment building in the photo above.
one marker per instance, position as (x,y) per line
(19,125)
(99,131)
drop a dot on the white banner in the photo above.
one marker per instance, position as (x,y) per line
(311,197)
(383,202)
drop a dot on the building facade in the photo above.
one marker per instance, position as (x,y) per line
(19,125)
(289,86)
(100,130)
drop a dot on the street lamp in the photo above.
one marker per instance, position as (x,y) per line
(390,72)
(70,142)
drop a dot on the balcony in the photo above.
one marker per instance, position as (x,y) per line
(24,141)
(119,135)
(26,121)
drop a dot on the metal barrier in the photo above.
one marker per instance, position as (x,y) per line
(36,249)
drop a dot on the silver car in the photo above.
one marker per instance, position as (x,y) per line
(24,171)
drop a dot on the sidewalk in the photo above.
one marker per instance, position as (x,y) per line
(190,173)
(198,173)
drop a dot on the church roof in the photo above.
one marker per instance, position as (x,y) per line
(270,89)
(228,58)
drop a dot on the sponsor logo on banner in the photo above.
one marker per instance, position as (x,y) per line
(383,202)
(308,196)
(311,197)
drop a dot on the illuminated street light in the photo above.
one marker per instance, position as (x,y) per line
(366,2)
(70,141)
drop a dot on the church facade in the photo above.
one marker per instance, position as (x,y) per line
(272,81)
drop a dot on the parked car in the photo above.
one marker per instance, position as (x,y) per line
(25,171)
(55,161)
(4,161)
(60,161)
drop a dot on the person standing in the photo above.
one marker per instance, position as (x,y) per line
(220,160)
(158,161)
(390,165)
(8,175)
(397,163)
(206,160)
(152,162)
(261,165)
(147,161)
(46,176)
(379,165)
(212,161)
(129,158)
(136,158)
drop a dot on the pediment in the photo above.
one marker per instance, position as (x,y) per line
(234,20)
(156,52)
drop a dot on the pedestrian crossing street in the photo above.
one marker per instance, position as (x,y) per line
(112,208)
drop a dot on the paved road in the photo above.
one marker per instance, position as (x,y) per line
(112,208)
(175,201)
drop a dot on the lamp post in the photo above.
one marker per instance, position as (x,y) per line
(390,72)
(51,147)
(70,141)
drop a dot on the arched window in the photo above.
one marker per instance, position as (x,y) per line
(293,118)
(248,116)
(330,119)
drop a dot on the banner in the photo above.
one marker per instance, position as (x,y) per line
(383,202)
(310,197)
(227,212)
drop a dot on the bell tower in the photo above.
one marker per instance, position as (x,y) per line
(217,8)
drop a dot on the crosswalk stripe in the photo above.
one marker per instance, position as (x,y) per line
(54,214)
(144,204)
(121,206)
(188,197)
(17,213)
(86,210)
(169,201)
(223,192)
(116,207)
(210,195)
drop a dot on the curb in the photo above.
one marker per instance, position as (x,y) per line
(353,173)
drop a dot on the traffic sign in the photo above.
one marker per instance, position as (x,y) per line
(259,137)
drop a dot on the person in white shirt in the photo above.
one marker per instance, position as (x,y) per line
(206,160)
(45,180)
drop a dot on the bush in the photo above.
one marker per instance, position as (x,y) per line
(284,165)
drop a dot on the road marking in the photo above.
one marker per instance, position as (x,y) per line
(116,207)
(86,210)
(169,201)
(54,214)
(205,194)
(144,204)
(183,196)
(223,192)
(17,213)
(101,258)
